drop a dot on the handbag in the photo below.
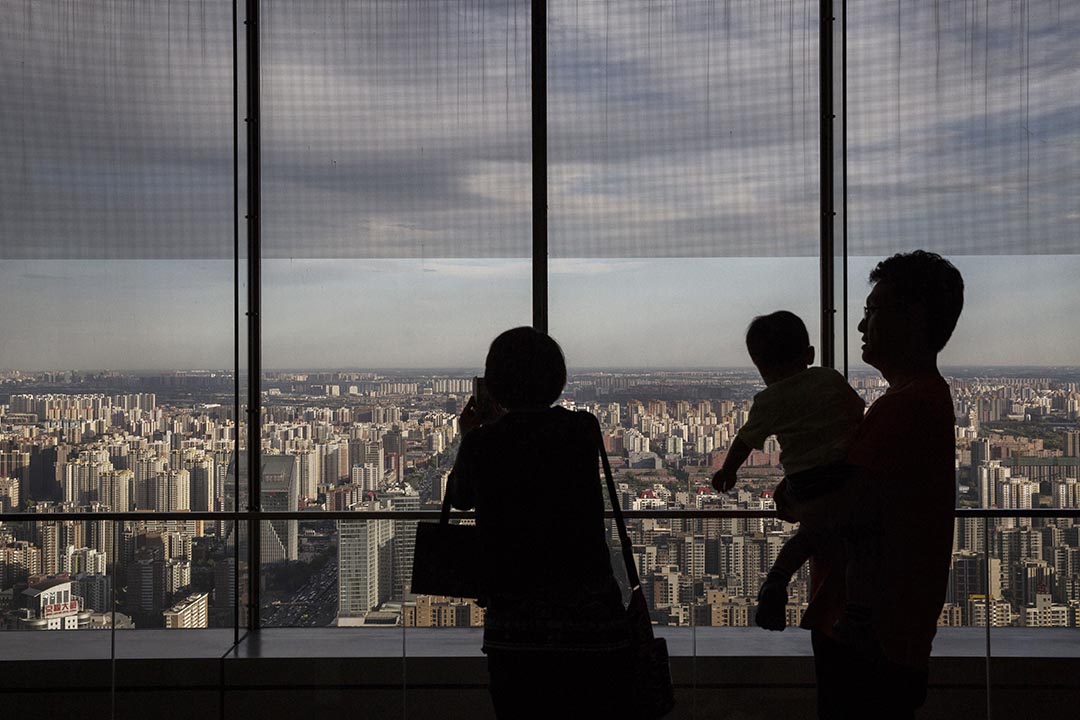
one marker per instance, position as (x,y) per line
(653,689)
(446,558)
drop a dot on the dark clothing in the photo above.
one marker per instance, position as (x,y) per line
(811,484)
(554,611)
(907,449)
(560,684)
(850,688)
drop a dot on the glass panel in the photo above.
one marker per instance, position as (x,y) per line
(963,130)
(674,314)
(58,575)
(397,175)
(117,154)
(666,434)
(685,129)
(685,133)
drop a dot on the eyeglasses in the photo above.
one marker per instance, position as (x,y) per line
(869,310)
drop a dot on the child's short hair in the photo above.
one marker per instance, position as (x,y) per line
(525,368)
(777,338)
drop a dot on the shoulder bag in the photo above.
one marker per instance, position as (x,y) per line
(655,694)
(446,558)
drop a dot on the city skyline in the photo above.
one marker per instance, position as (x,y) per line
(360,444)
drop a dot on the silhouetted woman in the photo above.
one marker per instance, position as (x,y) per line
(554,630)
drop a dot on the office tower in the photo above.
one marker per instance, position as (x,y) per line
(365,564)
(48,537)
(190,612)
(280,492)
(145,598)
(224,592)
(393,443)
(404,543)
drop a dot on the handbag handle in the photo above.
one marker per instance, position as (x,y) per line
(624,537)
(444,516)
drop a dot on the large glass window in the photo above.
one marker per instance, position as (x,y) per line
(397,226)
(683,181)
(117,282)
(683,166)
(964,139)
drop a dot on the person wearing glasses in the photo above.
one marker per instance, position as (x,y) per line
(905,450)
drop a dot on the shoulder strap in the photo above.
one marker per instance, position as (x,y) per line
(624,538)
(444,516)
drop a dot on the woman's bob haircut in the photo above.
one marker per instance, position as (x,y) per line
(525,368)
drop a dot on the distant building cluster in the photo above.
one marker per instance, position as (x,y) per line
(367,443)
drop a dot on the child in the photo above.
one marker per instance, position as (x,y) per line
(814,414)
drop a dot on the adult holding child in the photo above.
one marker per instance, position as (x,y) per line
(905,450)
(555,630)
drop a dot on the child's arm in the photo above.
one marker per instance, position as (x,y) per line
(726,477)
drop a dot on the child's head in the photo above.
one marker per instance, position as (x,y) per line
(525,369)
(779,345)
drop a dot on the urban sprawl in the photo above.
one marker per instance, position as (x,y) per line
(81,442)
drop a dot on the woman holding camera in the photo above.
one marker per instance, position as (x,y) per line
(554,630)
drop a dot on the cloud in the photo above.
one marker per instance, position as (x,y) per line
(402,129)
(396,135)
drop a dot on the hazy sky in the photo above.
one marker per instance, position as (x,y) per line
(682,178)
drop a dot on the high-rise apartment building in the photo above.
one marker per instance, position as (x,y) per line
(1043,612)
(1000,612)
(9,494)
(18,561)
(404,542)
(15,464)
(202,475)
(190,612)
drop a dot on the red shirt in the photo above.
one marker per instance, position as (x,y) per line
(906,444)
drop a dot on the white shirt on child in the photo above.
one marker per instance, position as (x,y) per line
(814,415)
